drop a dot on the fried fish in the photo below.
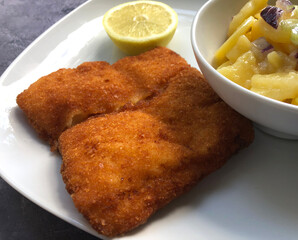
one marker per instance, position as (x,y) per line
(66,97)
(121,168)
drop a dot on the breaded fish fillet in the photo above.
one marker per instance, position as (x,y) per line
(152,69)
(63,98)
(120,168)
(59,100)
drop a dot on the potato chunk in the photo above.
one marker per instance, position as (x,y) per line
(242,70)
(220,54)
(280,86)
(243,45)
(249,9)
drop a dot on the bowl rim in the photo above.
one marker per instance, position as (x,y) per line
(199,55)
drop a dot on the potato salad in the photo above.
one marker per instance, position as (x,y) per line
(261,51)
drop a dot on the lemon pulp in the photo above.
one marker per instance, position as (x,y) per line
(138,26)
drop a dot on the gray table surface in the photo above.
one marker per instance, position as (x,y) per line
(21,21)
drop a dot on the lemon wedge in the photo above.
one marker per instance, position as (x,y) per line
(139,26)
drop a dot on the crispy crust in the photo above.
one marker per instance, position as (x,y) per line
(152,69)
(55,102)
(120,168)
(61,99)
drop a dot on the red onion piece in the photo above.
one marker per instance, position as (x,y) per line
(294,54)
(280,3)
(283,4)
(267,49)
(286,5)
(271,15)
(262,45)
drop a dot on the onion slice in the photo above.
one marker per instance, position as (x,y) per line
(283,4)
(262,45)
(271,15)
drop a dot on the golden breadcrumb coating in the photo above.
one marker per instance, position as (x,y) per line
(59,100)
(68,96)
(121,167)
(152,69)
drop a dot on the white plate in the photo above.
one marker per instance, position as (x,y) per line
(254,196)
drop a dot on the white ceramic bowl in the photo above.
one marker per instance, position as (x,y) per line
(208,32)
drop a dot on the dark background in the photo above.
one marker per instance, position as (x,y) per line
(22,21)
